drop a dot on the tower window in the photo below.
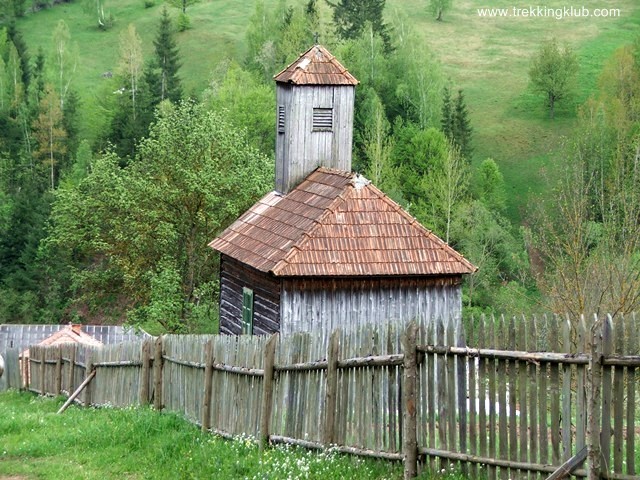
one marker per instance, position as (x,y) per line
(280,118)
(322,119)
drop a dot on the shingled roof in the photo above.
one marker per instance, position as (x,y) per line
(336,223)
(316,66)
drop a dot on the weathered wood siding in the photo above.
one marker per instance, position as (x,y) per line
(300,150)
(322,305)
(266,298)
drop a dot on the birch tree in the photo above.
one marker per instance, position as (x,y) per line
(65,59)
(49,133)
(131,62)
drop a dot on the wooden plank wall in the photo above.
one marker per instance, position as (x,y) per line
(507,397)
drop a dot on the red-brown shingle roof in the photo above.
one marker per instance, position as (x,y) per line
(336,224)
(316,66)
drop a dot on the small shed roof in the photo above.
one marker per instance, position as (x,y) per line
(22,336)
(71,334)
(316,66)
(336,223)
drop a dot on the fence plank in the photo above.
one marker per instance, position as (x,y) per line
(581,393)
(503,404)
(473,397)
(523,367)
(491,366)
(462,414)
(512,391)
(554,390)
(208,386)
(533,396)
(58,373)
(330,404)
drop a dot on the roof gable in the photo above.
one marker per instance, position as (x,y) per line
(336,224)
(316,66)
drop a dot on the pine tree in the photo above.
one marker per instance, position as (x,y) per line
(447,114)
(461,126)
(166,62)
(350,17)
(21,47)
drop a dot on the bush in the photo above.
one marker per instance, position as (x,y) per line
(183,22)
(149,3)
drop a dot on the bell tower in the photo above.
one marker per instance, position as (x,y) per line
(314,112)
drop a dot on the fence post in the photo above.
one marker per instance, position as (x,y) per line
(208,384)
(42,371)
(158,362)
(87,372)
(410,439)
(594,385)
(26,368)
(267,392)
(58,377)
(332,389)
(72,369)
(145,372)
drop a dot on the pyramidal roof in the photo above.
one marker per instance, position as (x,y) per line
(316,66)
(336,223)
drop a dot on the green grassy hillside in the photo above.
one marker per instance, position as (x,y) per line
(488,57)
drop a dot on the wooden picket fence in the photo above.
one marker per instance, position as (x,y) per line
(512,398)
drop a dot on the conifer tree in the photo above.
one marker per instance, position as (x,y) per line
(461,126)
(446,122)
(163,79)
(21,47)
(350,17)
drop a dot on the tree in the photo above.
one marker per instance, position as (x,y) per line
(66,59)
(351,16)
(446,121)
(165,64)
(131,62)
(462,126)
(553,72)
(438,7)
(49,133)
(490,185)
(137,236)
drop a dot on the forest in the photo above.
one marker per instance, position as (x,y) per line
(133,132)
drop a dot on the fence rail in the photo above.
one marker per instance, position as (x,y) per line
(517,398)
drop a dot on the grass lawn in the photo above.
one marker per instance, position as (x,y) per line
(139,443)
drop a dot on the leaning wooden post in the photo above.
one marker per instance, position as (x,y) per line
(594,390)
(410,437)
(208,386)
(42,370)
(58,377)
(267,390)
(332,389)
(145,372)
(157,374)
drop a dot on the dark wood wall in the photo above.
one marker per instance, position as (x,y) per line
(266,298)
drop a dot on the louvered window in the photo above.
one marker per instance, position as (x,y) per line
(281,119)
(247,311)
(322,119)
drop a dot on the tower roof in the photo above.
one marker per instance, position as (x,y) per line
(336,224)
(316,66)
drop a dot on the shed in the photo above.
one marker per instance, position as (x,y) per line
(327,248)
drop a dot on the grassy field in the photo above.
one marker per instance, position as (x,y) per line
(139,443)
(488,57)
